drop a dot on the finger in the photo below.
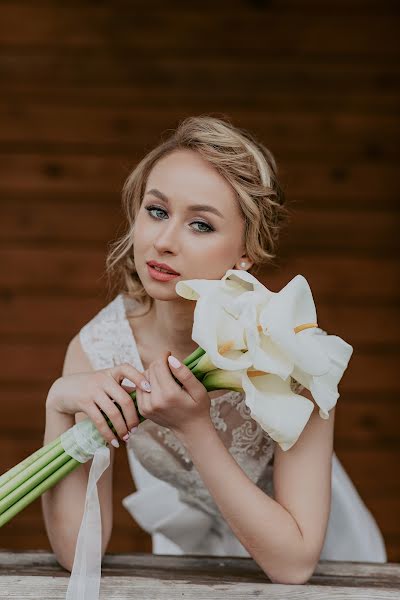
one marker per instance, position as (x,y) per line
(191,384)
(129,389)
(118,394)
(163,382)
(125,370)
(143,403)
(127,383)
(161,389)
(107,405)
(100,422)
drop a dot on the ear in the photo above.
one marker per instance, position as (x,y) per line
(244,263)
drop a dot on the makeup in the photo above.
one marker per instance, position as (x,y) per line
(159,275)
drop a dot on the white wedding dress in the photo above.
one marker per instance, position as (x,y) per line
(172,503)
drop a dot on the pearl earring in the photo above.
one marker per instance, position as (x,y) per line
(243,265)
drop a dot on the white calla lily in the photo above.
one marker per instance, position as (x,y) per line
(324,388)
(217,332)
(225,316)
(288,325)
(215,329)
(283,338)
(278,410)
(273,321)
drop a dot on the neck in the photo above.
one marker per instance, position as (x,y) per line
(172,324)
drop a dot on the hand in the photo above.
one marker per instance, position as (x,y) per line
(170,405)
(95,390)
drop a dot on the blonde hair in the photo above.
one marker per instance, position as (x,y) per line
(242,160)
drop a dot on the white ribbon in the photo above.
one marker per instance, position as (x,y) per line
(83,442)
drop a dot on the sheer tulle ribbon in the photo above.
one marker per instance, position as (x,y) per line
(83,442)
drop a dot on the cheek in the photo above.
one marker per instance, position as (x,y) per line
(142,231)
(212,260)
(220,249)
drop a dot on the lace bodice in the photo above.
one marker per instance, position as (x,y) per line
(108,340)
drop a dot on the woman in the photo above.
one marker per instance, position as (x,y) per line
(209,480)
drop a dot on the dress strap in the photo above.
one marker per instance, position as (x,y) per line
(107,339)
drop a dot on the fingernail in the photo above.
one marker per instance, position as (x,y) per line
(174,362)
(115,443)
(126,437)
(145,386)
(134,429)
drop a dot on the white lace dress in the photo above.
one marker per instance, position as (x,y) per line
(172,503)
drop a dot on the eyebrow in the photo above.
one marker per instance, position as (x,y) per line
(192,207)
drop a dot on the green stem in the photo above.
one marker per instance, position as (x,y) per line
(193,363)
(26,462)
(31,470)
(39,490)
(196,354)
(33,481)
(109,423)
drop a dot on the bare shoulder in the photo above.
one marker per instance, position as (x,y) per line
(76,361)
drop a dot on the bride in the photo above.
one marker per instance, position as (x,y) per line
(208,479)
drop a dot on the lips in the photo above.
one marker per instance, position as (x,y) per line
(167,268)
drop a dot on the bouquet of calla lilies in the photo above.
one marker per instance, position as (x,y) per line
(250,340)
(258,341)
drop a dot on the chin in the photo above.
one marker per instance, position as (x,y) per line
(156,291)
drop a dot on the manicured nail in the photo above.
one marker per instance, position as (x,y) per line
(126,437)
(145,386)
(115,443)
(134,429)
(174,362)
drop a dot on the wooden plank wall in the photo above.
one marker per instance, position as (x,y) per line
(89,87)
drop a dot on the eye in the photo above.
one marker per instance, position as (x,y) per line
(151,208)
(208,229)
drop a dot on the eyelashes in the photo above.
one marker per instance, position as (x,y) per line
(152,208)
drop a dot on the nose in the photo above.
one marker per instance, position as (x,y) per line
(167,240)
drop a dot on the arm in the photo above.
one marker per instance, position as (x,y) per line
(284,535)
(63,505)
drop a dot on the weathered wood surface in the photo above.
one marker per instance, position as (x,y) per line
(148,576)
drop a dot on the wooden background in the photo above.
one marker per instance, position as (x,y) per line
(89,87)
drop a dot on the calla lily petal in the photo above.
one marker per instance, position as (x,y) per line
(280,412)
(217,332)
(205,363)
(324,388)
(225,312)
(293,306)
(223,380)
(193,289)
(266,355)
(246,280)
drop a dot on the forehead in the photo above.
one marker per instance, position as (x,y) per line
(184,175)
